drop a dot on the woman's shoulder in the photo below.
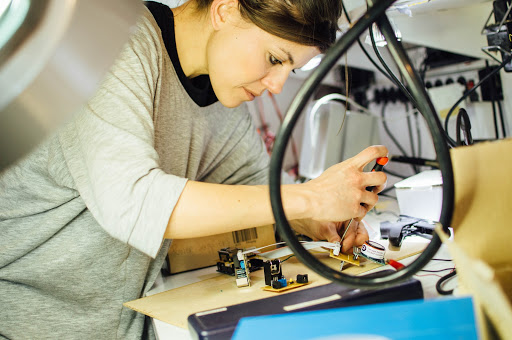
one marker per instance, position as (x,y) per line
(147,33)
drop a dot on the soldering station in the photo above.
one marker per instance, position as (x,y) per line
(397,75)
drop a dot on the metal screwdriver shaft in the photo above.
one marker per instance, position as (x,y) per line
(379,164)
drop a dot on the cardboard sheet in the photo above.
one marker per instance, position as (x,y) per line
(482,228)
(219,290)
(193,253)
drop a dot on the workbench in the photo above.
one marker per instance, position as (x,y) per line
(208,283)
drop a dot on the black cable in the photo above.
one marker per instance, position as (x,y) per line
(391,74)
(409,128)
(495,116)
(442,280)
(295,109)
(463,124)
(426,107)
(364,49)
(394,173)
(389,196)
(496,70)
(415,160)
(411,139)
(436,271)
(418,132)
(390,135)
(385,191)
(493,103)
(500,110)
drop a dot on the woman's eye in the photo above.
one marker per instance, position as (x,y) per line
(274,61)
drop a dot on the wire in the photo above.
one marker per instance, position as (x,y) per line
(394,174)
(347,91)
(364,49)
(411,139)
(437,271)
(493,103)
(394,79)
(427,110)
(423,275)
(496,70)
(447,260)
(415,160)
(289,257)
(442,280)
(383,212)
(425,106)
(500,110)
(338,96)
(388,132)
(418,132)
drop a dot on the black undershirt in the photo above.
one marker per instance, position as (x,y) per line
(199,88)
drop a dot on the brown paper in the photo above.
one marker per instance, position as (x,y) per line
(193,253)
(482,228)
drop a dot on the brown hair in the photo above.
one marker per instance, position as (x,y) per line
(307,22)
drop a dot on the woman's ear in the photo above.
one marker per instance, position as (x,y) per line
(223,12)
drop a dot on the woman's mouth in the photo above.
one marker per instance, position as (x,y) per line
(250,95)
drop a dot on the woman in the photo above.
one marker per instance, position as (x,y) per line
(87,218)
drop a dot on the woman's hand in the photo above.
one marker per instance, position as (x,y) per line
(340,194)
(332,231)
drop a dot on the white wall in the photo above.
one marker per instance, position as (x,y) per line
(397,113)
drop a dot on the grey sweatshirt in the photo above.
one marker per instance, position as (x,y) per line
(82,218)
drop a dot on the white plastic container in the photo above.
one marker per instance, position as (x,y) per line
(421,195)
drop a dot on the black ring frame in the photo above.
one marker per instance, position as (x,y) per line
(376,13)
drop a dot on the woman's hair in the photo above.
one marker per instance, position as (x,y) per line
(307,22)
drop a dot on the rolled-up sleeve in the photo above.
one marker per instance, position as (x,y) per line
(109,150)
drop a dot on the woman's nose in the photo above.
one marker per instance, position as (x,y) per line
(274,80)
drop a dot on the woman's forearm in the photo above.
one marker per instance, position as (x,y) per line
(207,209)
(337,195)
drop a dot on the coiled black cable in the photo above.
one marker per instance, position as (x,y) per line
(489,75)
(425,107)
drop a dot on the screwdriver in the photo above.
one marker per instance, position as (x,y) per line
(379,165)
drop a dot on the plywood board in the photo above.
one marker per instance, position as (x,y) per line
(175,305)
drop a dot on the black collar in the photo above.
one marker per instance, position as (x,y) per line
(198,88)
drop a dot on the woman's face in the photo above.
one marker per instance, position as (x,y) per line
(244,61)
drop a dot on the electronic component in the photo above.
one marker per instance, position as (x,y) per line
(395,232)
(275,280)
(372,251)
(242,277)
(226,263)
(302,278)
(498,34)
(350,258)
(272,271)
